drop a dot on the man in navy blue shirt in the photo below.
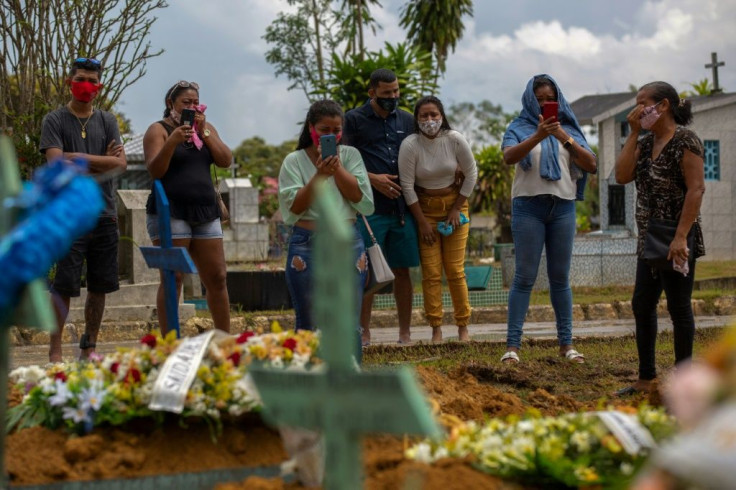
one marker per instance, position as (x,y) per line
(377,129)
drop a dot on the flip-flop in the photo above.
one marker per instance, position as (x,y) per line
(510,357)
(366,344)
(574,356)
(629,390)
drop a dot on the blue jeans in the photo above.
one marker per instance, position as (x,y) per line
(299,263)
(542,221)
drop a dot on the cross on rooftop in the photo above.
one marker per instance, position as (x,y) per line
(714,64)
(167,258)
(34,306)
(341,402)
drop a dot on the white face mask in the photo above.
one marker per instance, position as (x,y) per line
(430,127)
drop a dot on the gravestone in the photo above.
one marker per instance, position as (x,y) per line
(34,307)
(167,258)
(246,240)
(341,402)
(133,234)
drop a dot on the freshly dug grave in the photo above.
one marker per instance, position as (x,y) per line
(39,455)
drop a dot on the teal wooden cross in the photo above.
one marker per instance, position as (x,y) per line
(342,403)
(34,306)
(168,258)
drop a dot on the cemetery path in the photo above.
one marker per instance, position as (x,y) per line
(495,332)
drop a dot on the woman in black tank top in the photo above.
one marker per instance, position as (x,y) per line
(180,155)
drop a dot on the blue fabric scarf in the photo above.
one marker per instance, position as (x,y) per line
(524,126)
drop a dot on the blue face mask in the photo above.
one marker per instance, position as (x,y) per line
(388,104)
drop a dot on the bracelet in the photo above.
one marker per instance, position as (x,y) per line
(568,143)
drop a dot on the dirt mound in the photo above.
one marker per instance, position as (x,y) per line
(459,393)
(39,456)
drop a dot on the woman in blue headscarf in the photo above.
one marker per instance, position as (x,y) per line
(554,159)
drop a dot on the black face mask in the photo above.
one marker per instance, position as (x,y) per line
(388,104)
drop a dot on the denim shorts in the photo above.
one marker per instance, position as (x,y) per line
(185,229)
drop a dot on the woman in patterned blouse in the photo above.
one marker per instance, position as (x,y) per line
(666,164)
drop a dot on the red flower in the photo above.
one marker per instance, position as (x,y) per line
(114,367)
(290,343)
(235,358)
(244,337)
(60,375)
(149,340)
(133,376)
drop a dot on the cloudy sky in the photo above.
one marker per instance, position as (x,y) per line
(590,47)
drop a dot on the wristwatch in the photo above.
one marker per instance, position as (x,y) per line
(206,134)
(568,143)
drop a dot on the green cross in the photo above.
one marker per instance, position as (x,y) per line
(34,307)
(341,402)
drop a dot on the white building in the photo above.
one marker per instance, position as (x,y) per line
(714,121)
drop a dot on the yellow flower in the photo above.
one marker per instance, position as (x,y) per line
(611,443)
(276,327)
(586,474)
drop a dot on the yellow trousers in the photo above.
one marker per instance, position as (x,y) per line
(448,253)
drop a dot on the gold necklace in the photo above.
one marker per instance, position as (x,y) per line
(84,126)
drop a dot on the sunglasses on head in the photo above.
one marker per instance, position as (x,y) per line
(91,61)
(185,84)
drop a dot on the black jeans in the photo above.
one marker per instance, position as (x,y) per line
(648,288)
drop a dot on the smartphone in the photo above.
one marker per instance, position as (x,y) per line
(549,109)
(328,142)
(187,116)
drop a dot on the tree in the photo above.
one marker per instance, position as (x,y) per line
(482,124)
(305,42)
(255,158)
(357,19)
(347,80)
(261,162)
(41,38)
(436,26)
(493,190)
(702,87)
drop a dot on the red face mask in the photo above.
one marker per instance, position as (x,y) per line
(85,91)
(315,136)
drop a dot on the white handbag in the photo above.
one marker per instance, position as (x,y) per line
(379,273)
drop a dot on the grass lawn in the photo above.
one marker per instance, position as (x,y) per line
(608,294)
(611,364)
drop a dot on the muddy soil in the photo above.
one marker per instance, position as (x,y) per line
(39,455)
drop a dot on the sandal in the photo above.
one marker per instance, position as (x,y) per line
(510,357)
(84,342)
(574,356)
(629,390)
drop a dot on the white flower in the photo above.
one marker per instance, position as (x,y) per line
(18,375)
(249,386)
(627,468)
(441,452)
(92,396)
(47,385)
(34,374)
(62,394)
(421,452)
(77,414)
(277,362)
(581,440)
